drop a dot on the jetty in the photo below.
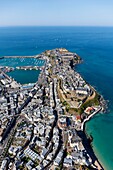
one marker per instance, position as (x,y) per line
(89,117)
(29,68)
(1,57)
(32,56)
(20,56)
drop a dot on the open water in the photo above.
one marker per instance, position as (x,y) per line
(95,46)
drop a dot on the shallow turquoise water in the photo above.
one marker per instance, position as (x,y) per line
(101,129)
(95,46)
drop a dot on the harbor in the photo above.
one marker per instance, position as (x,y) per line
(25,76)
(21,62)
(23,69)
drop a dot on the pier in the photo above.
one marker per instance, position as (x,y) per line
(20,56)
(89,117)
(29,68)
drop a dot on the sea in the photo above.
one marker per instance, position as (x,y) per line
(22,76)
(95,46)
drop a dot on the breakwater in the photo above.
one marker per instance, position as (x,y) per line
(29,68)
(89,117)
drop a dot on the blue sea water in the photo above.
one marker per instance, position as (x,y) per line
(95,46)
(16,62)
(25,76)
(22,76)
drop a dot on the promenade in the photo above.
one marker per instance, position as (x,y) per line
(89,117)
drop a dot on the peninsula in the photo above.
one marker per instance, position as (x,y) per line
(42,125)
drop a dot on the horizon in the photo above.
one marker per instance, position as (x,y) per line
(5,26)
(56,13)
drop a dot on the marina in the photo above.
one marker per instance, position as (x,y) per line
(21,62)
(25,76)
(23,69)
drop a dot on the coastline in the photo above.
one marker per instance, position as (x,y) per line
(103,107)
(87,146)
(97,69)
(89,117)
(91,152)
(95,151)
(103,110)
(98,162)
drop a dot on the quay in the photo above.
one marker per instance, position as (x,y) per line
(29,68)
(1,57)
(5,75)
(32,56)
(89,117)
(19,57)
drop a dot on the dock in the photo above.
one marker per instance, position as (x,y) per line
(29,68)
(89,117)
